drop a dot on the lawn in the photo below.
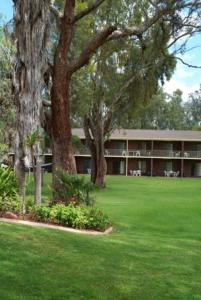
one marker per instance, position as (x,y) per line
(154,252)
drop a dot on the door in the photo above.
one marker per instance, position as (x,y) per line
(118,167)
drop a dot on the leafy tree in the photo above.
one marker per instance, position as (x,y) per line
(164,111)
(193,109)
(133,26)
(73,51)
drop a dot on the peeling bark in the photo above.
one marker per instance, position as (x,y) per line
(31,20)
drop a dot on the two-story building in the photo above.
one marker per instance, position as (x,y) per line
(148,152)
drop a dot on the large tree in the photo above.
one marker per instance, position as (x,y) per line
(65,64)
(31,24)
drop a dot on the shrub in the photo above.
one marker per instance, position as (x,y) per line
(41,213)
(73,216)
(9,204)
(9,200)
(97,219)
(76,189)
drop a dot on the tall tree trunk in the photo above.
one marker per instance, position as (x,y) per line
(31,23)
(63,156)
(94,133)
(101,164)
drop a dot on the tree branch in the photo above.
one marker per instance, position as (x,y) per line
(90,49)
(186,64)
(117,97)
(87,11)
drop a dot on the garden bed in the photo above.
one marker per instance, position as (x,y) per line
(56,226)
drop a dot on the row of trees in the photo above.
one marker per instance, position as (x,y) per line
(168,112)
(93,61)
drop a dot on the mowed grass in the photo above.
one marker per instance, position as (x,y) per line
(153,253)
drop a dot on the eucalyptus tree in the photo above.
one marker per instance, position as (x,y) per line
(31,24)
(118,83)
(66,65)
(123,75)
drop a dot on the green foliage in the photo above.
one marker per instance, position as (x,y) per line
(77,144)
(9,204)
(8,183)
(75,188)
(81,217)
(8,191)
(41,213)
(7,107)
(163,112)
(33,138)
(3,151)
(97,219)
(193,109)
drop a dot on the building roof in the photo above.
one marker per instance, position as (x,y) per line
(141,134)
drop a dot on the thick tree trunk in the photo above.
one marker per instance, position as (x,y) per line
(63,156)
(94,133)
(31,22)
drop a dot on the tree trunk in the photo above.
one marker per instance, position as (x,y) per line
(94,133)
(63,156)
(21,176)
(100,161)
(31,23)
(38,180)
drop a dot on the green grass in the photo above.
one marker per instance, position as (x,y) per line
(154,252)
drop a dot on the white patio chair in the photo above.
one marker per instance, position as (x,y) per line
(176,174)
(88,171)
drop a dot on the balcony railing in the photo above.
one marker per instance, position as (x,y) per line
(145,153)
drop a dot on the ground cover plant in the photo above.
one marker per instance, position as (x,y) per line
(153,253)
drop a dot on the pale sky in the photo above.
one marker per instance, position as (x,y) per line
(186,79)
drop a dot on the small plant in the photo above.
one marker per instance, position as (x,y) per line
(8,183)
(8,191)
(76,189)
(41,213)
(97,219)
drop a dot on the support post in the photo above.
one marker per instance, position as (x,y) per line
(152,163)
(182,161)
(126,157)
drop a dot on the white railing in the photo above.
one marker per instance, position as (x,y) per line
(145,153)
